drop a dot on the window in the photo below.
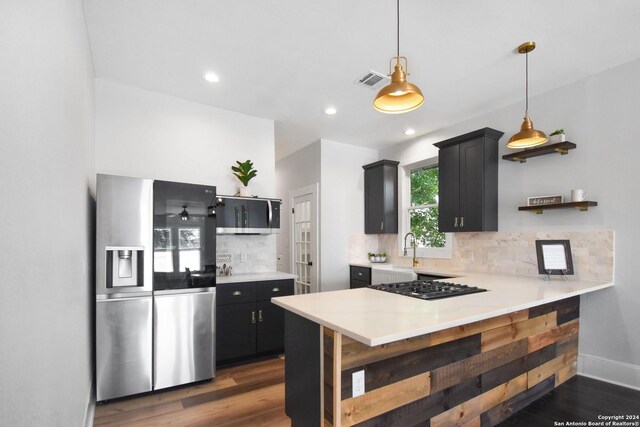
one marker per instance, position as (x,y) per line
(189,247)
(162,250)
(419,193)
(423,211)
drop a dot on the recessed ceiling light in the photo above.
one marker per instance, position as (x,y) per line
(409,131)
(211,77)
(330,111)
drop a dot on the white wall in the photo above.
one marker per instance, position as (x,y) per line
(338,169)
(46,213)
(152,135)
(341,207)
(599,114)
(298,170)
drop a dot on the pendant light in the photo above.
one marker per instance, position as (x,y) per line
(528,135)
(184,215)
(399,96)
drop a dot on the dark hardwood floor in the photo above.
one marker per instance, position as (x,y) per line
(245,395)
(253,395)
(580,399)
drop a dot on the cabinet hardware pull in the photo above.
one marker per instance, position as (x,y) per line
(359,274)
(237,293)
(455,222)
(382,226)
(253,317)
(275,290)
(260,315)
(461,221)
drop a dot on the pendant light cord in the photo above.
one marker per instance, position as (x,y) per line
(526,85)
(398,29)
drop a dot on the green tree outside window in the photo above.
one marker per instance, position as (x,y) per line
(423,213)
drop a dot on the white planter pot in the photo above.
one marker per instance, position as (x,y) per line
(557,138)
(244,192)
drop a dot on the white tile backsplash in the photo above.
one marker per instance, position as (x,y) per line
(505,253)
(260,252)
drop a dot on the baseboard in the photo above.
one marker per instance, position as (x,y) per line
(91,407)
(611,371)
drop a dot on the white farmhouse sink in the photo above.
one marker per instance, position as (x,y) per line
(392,267)
(389,273)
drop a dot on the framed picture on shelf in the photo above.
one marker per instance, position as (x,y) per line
(554,257)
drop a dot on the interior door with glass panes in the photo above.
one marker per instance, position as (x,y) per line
(304,231)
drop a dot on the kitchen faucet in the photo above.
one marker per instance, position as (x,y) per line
(413,245)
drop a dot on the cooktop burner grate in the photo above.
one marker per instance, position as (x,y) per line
(428,289)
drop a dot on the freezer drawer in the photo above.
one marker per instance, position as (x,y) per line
(123,347)
(183,338)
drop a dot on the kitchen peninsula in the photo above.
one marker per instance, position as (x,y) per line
(468,360)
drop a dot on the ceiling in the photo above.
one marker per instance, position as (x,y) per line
(288,60)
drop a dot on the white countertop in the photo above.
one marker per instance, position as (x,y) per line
(376,317)
(254,277)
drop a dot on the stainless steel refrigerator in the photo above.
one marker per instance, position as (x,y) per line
(155,285)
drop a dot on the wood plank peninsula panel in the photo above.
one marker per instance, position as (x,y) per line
(476,374)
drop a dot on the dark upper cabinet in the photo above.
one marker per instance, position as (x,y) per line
(381,197)
(468,181)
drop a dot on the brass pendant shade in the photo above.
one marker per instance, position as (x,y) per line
(399,96)
(528,135)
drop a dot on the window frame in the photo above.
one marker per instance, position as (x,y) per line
(405,204)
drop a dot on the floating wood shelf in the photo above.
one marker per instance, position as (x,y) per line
(538,209)
(522,156)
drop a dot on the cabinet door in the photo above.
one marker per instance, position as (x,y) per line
(270,335)
(235,331)
(472,171)
(381,197)
(374,200)
(449,185)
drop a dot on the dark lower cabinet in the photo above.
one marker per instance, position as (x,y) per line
(248,324)
(270,333)
(360,277)
(235,331)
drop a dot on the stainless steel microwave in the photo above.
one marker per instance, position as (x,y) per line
(247,215)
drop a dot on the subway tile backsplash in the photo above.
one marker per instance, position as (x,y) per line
(505,253)
(260,252)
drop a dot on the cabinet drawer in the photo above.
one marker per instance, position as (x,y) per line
(274,288)
(358,284)
(235,293)
(361,273)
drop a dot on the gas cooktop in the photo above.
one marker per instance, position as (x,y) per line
(427,289)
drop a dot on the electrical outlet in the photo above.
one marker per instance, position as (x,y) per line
(357,380)
(243,257)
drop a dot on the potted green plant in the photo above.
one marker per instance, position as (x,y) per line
(244,171)
(557,136)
